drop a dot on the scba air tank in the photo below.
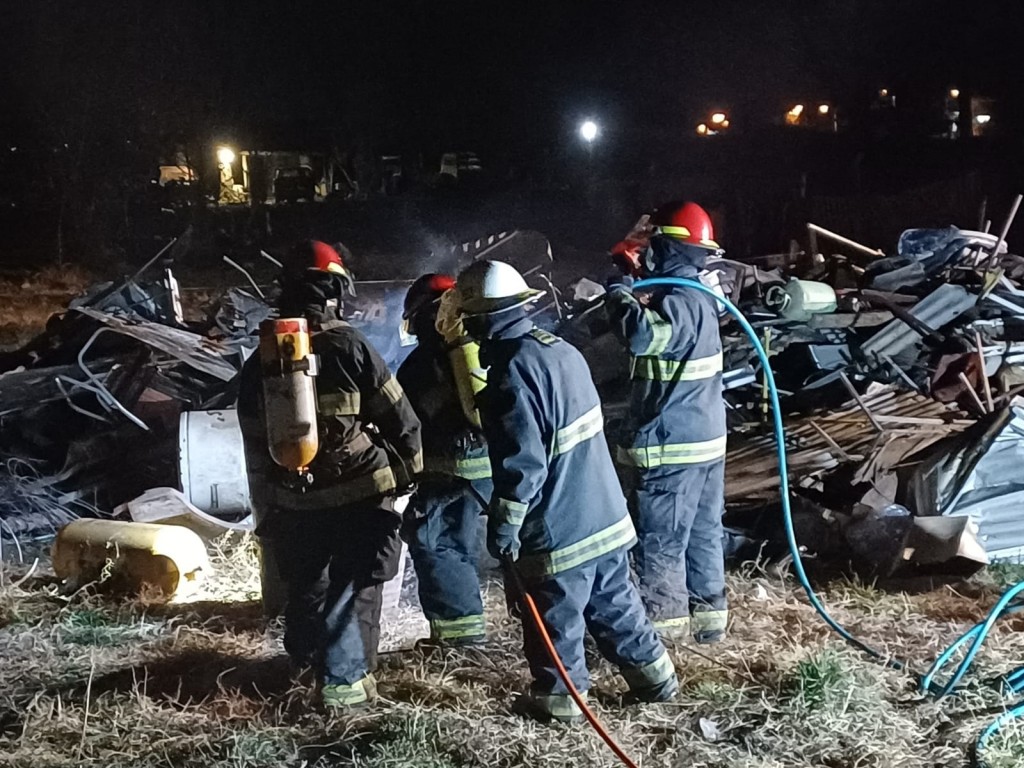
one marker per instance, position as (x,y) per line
(289,392)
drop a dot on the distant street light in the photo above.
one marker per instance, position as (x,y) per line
(823,109)
(954,93)
(702,129)
(225,155)
(982,119)
(589,131)
(718,118)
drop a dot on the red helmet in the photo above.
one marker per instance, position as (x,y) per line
(321,257)
(311,259)
(687,222)
(427,289)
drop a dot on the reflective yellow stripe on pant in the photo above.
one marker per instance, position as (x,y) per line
(673,454)
(457,629)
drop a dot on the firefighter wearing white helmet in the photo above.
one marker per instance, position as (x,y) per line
(490,287)
(557,514)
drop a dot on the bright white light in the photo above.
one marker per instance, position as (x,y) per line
(797,110)
(982,119)
(954,93)
(702,129)
(823,109)
(225,155)
(718,118)
(884,93)
(588,130)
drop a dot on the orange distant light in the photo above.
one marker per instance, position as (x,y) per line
(702,129)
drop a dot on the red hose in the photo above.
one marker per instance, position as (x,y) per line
(580,701)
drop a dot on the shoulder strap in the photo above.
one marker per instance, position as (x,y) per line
(331,325)
(544,337)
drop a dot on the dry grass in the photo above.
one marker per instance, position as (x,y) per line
(96,682)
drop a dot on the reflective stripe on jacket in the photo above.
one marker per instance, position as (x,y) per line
(554,481)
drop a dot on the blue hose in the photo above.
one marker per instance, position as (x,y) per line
(977,636)
(1014,681)
(995,726)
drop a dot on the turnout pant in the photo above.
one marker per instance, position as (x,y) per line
(678,557)
(598,596)
(445,549)
(335,563)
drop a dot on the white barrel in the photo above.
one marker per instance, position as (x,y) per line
(211,463)
(802,298)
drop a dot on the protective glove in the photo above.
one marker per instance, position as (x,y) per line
(503,541)
(626,256)
(619,282)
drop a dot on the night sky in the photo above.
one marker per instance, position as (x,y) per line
(484,74)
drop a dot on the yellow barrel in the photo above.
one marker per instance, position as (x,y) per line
(170,558)
(289,394)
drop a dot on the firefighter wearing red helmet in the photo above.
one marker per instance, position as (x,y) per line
(445,514)
(333,532)
(673,443)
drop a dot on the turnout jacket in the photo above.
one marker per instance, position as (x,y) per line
(677,414)
(554,482)
(451,445)
(369,433)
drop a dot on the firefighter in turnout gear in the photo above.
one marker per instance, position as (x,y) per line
(447,510)
(333,529)
(673,444)
(557,514)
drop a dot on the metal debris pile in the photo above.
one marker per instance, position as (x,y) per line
(122,407)
(898,375)
(901,375)
(90,409)
(882,361)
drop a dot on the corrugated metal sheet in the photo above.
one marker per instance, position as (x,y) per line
(993,493)
(820,442)
(941,306)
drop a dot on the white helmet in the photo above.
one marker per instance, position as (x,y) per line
(489,287)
